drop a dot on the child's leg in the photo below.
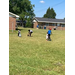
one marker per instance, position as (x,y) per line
(30,34)
(50,38)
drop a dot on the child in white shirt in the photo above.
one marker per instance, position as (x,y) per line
(19,33)
(47,36)
(30,32)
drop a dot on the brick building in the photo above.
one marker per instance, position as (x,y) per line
(12,21)
(45,23)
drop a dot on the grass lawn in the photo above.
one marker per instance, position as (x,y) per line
(36,56)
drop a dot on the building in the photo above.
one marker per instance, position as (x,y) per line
(12,21)
(45,23)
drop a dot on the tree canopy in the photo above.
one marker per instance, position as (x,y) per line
(23,8)
(50,13)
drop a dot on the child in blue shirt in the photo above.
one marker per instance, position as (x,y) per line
(37,26)
(49,33)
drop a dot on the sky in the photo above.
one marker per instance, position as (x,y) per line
(41,7)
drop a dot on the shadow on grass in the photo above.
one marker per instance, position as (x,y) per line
(19,29)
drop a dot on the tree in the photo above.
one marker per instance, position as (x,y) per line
(50,13)
(23,8)
(29,23)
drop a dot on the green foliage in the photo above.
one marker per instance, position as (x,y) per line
(23,8)
(29,23)
(50,13)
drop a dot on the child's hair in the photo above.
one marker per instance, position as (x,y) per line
(47,32)
(29,30)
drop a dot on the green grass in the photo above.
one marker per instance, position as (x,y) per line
(36,56)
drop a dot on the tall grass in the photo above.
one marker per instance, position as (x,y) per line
(36,56)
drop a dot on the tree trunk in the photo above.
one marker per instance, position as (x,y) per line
(22,23)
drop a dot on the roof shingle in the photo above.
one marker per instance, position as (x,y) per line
(49,20)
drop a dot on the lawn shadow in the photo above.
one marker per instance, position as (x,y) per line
(19,29)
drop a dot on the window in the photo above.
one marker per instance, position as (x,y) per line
(47,24)
(62,25)
(53,24)
(58,24)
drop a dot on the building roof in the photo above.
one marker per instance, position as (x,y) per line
(49,20)
(13,15)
